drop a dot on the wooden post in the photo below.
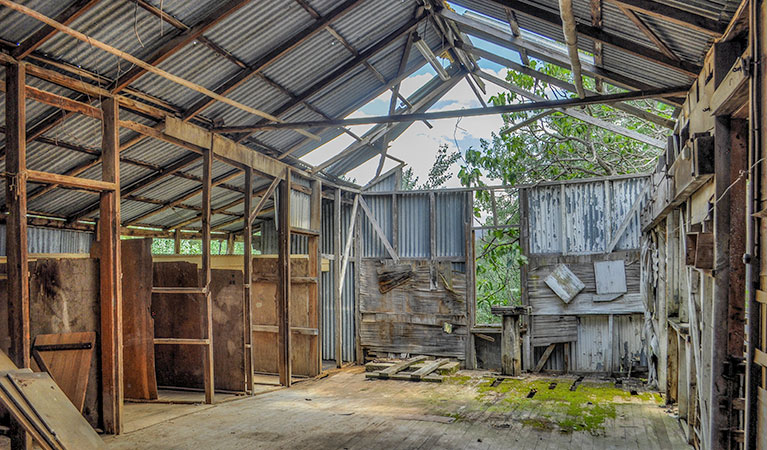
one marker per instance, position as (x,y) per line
(283,293)
(177,241)
(511,359)
(247,279)
(719,391)
(111,276)
(339,283)
(230,243)
(207,177)
(16,228)
(315,268)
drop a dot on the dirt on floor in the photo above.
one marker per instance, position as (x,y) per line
(467,410)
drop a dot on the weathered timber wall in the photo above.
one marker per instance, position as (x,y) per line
(410,318)
(63,298)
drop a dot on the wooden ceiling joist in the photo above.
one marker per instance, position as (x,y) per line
(596,34)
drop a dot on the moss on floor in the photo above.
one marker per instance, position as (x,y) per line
(539,402)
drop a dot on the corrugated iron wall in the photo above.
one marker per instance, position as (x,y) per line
(328,286)
(49,240)
(593,213)
(582,218)
(413,225)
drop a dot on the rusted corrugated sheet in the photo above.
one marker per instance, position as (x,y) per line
(594,211)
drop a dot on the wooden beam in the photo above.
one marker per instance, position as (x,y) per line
(628,219)
(349,237)
(596,22)
(544,358)
(110,272)
(284,273)
(470,112)
(36,176)
(378,230)
(147,67)
(16,230)
(672,14)
(207,186)
(252,214)
(618,42)
(544,51)
(44,33)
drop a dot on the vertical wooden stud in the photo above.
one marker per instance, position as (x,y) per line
(16,228)
(177,242)
(207,177)
(111,276)
(315,270)
(247,279)
(339,283)
(283,294)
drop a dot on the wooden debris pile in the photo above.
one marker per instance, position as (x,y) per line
(418,368)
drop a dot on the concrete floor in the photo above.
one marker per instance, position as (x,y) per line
(469,410)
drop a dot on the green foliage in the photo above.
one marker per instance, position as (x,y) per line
(555,147)
(193,247)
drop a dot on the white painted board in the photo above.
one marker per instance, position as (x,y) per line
(610,277)
(564,283)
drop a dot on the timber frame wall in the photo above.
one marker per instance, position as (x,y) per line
(107,249)
(705,230)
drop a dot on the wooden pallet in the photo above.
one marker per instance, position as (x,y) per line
(414,369)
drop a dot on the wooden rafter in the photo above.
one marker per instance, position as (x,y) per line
(374,94)
(588,31)
(596,21)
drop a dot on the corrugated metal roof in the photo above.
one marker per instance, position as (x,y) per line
(249,34)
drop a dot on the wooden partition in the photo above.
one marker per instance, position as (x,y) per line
(64,298)
(304,317)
